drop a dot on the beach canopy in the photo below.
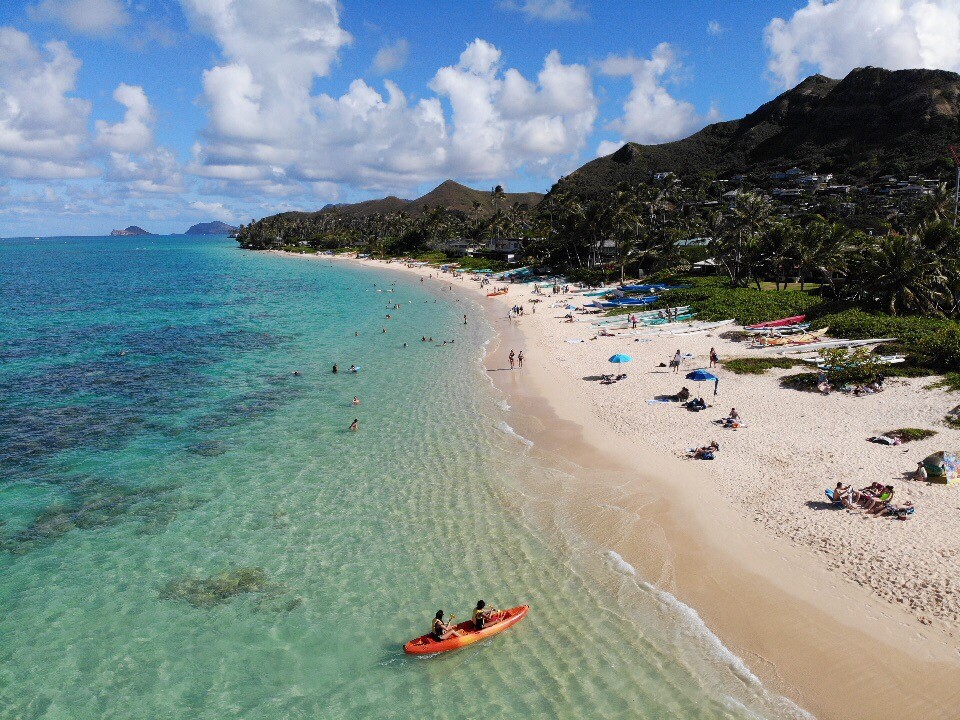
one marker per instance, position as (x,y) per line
(620,358)
(701,375)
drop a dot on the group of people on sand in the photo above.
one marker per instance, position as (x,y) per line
(516,360)
(875,499)
(482,617)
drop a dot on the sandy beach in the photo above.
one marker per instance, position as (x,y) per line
(848,614)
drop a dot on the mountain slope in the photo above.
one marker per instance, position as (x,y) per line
(449,194)
(211,228)
(872,122)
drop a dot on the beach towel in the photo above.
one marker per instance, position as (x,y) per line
(575,341)
(658,402)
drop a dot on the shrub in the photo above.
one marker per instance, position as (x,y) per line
(745,305)
(942,348)
(805,382)
(850,366)
(757,365)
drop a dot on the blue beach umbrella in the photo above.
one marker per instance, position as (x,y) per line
(620,358)
(702,375)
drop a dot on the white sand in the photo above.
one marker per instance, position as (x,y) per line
(795,444)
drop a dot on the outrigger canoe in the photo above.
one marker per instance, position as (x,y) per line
(795,320)
(428,645)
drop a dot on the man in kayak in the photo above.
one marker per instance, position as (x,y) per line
(482,614)
(442,630)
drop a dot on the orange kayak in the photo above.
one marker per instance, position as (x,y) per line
(427,644)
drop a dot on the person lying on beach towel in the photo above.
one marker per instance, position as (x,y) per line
(900,512)
(884,440)
(695,405)
(707,452)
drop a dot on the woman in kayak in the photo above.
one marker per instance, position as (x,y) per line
(442,630)
(482,614)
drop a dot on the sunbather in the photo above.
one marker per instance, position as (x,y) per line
(707,452)
(876,504)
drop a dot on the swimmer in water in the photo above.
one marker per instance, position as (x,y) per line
(356,400)
(354,426)
(296,372)
(335,369)
(353,368)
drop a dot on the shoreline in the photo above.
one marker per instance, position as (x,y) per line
(810,634)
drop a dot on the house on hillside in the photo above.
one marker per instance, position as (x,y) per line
(506,249)
(456,247)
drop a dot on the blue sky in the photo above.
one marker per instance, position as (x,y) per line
(165,113)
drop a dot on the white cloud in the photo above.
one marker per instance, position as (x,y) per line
(549,10)
(715,28)
(133,133)
(266,128)
(155,171)
(42,128)
(87,17)
(391,57)
(212,211)
(836,37)
(651,114)
(132,157)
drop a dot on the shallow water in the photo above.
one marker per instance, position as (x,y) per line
(189,530)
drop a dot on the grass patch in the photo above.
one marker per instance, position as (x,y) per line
(911,434)
(950,381)
(757,365)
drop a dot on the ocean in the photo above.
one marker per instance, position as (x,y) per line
(188,529)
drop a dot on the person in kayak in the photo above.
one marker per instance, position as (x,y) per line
(442,630)
(482,614)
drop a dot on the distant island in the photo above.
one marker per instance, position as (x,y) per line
(211,228)
(131,230)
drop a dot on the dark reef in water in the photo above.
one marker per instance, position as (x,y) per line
(89,504)
(217,589)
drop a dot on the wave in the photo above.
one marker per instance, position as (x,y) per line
(504,428)
(694,624)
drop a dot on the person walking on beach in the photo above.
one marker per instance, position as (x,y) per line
(675,363)
(464,319)
(520,359)
(714,358)
(633,320)
(511,358)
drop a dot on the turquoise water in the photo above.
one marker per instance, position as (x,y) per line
(190,531)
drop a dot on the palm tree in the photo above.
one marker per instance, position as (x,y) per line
(901,275)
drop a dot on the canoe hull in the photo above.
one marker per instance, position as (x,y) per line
(428,645)
(778,323)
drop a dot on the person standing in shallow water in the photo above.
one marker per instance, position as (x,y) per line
(520,359)
(355,425)
(335,369)
(511,357)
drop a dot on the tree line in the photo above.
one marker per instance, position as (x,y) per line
(902,260)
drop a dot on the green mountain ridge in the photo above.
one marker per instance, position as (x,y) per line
(871,122)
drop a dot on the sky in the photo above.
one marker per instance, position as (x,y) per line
(164,113)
